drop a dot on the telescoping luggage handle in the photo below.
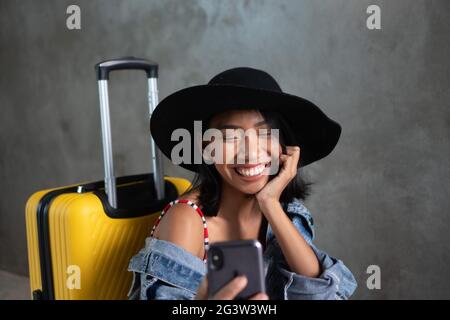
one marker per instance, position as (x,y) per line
(103,69)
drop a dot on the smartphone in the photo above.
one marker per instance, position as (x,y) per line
(229,259)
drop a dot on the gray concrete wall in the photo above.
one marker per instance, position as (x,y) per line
(380,198)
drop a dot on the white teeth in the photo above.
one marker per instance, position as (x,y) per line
(252,171)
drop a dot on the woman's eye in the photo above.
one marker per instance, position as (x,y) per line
(265,134)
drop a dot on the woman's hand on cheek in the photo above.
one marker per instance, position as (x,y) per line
(273,189)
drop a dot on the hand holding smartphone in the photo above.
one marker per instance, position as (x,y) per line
(229,259)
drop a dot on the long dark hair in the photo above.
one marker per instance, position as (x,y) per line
(209,182)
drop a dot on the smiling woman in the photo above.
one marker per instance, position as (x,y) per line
(255,193)
(259,157)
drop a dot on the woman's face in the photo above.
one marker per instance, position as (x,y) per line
(248,148)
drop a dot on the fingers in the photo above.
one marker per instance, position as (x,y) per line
(231,289)
(290,160)
(284,157)
(259,296)
(293,150)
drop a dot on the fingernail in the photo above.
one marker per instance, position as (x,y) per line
(263,296)
(242,280)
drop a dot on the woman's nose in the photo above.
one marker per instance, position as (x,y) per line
(249,150)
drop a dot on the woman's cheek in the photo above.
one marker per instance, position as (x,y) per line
(273,147)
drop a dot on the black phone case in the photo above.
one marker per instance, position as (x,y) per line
(238,257)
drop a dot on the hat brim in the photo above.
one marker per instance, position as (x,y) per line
(316,133)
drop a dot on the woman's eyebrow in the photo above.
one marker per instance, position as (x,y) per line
(260,123)
(228,126)
(232,126)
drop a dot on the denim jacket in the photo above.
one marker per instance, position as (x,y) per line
(164,271)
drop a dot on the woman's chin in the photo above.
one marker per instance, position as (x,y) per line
(251,188)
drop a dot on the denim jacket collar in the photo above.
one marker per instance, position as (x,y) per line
(301,217)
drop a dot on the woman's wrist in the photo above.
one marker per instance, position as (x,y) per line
(269,205)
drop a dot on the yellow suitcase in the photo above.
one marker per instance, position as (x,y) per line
(81,237)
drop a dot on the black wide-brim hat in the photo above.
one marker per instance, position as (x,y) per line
(243,88)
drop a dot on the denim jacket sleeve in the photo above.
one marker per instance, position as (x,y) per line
(335,281)
(164,271)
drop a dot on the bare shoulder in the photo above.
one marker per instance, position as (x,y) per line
(182,226)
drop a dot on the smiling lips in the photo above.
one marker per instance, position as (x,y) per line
(252,170)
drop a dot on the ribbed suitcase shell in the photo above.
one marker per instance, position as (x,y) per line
(81,234)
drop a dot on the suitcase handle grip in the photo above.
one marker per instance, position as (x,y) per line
(102,70)
(127,63)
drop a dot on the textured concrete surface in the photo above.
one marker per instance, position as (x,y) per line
(13,286)
(380,198)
